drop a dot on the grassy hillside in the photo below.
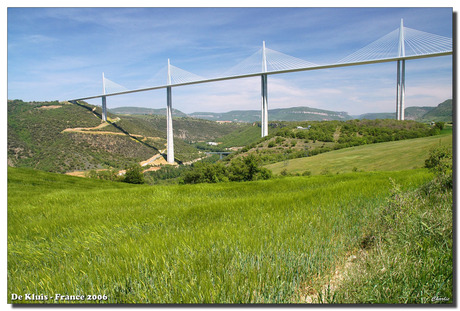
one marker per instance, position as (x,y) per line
(388,156)
(281,114)
(188,129)
(410,113)
(443,112)
(290,140)
(141,110)
(416,113)
(37,138)
(377,115)
(253,242)
(241,137)
(63,137)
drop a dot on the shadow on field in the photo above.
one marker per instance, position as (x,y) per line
(97,114)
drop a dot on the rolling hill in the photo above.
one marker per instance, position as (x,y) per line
(410,113)
(388,156)
(282,114)
(37,138)
(64,137)
(292,140)
(443,112)
(142,110)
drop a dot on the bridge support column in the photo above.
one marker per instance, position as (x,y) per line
(104,101)
(403,89)
(169,125)
(401,72)
(170,137)
(264,106)
(104,109)
(398,90)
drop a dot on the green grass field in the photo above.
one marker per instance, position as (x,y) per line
(388,156)
(251,242)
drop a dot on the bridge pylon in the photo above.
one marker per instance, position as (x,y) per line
(264,91)
(104,100)
(169,125)
(401,75)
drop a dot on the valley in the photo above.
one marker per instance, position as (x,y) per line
(302,215)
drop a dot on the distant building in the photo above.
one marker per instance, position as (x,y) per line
(224,122)
(212,143)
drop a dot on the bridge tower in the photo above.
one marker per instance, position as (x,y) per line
(169,126)
(401,75)
(264,93)
(104,101)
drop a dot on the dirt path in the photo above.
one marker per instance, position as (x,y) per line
(90,130)
(156,160)
(310,295)
(86,129)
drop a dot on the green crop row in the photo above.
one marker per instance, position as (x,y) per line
(249,242)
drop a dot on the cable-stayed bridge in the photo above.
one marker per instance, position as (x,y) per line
(397,46)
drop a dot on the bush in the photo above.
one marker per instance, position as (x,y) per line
(134,175)
(111,175)
(203,172)
(240,169)
(407,255)
(439,125)
(440,162)
(440,159)
(306,173)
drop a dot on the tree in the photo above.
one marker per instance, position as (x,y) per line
(440,159)
(439,125)
(440,162)
(134,175)
(247,168)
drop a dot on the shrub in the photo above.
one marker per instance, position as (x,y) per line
(240,169)
(111,175)
(440,159)
(439,125)
(206,173)
(440,162)
(306,173)
(134,175)
(279,140)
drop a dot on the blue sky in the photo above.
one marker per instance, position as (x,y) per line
(60,53)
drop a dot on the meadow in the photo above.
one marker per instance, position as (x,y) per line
(251,242)
(387,156)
